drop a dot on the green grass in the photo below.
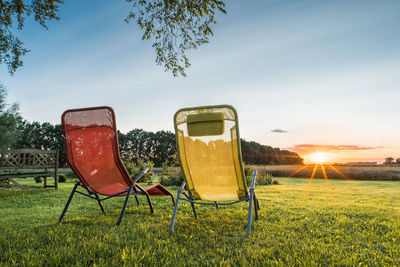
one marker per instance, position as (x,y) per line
(354,222)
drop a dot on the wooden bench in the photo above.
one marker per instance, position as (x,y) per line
(23,163)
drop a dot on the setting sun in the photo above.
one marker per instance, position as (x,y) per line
(319,157)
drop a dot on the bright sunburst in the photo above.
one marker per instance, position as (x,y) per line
(319,157)
(318,161)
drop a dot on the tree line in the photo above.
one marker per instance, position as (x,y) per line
(158,147)
(258,154)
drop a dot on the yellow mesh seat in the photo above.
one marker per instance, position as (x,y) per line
(209,150)
(208,144)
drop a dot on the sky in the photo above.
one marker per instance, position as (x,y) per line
(304,75)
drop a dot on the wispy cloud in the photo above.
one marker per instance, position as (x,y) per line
(308,148)
(279,131)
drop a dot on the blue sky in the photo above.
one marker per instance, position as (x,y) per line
(327,72)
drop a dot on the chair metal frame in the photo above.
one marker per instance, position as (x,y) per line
(251,198)
(137,189)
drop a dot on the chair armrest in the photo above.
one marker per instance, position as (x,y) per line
(140,175)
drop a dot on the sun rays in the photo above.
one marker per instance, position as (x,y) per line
(319,163)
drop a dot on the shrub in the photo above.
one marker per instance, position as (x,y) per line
(62,178)
(38,179)
(166,169)
(171,175)
(172,180)
(275,182)
(135,168)
(70,174)
(263,177)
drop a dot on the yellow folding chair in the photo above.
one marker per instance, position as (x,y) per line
(208,143)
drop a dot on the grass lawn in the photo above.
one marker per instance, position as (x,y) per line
(352,223)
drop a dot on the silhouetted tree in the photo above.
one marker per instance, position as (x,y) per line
(389,160)
(398,161)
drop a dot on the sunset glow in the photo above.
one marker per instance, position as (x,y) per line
(319,157)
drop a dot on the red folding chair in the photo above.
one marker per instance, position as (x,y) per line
(91,146)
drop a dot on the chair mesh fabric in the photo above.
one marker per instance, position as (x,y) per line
(92,149)
(211,163)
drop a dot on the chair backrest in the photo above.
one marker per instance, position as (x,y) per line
(91,145)
(209,151)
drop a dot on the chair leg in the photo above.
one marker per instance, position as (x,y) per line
(137,200)
(250,213)
(100,204)
(125,203)
(193,208)
(69,201)
(255,207)
(173,200)
(149,202)
(147,196)
(176,207)
(216,205)
(256,201)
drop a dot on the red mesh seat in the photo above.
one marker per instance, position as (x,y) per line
(91,146)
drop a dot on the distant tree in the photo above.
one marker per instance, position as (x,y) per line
(138,144)
(13,14)
(255,153)
(176,26)
(398,161)
(389,160)
(10,121)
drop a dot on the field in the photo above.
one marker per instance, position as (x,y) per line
(346,172)
(348,223)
